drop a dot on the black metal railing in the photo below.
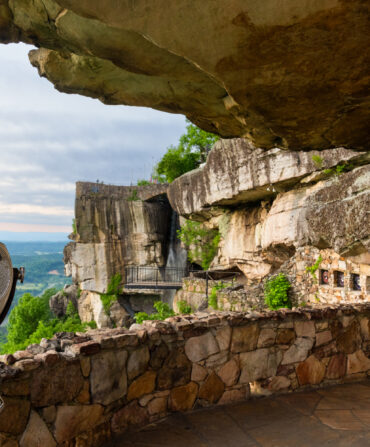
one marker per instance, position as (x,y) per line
(154,277)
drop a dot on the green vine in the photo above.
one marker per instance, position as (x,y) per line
(113,291)
(276,292)
(312,269)
(212,299)
(201,243)
(134,196)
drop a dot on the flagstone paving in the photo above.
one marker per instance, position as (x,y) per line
(338,416)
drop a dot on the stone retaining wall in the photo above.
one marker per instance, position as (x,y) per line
(79,390)
(307,288)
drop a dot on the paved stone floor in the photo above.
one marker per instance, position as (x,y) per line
(337,416)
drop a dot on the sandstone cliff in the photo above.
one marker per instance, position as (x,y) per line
(292,74)
(268,204)
(116,226)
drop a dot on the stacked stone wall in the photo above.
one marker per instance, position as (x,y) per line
(307,288)
(80,389)
(310,288)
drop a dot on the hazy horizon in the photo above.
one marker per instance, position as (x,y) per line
(10,236)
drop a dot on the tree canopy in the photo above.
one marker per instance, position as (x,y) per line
(186,156)
(31,320)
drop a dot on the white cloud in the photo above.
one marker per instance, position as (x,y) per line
(50,140)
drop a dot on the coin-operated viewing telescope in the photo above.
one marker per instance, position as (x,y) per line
(8,281)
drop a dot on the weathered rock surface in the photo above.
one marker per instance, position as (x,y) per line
(236,172)
(58,303)
(288,74)
(108,377)
(266,205)
(116,226)
(37,433)
(73,420)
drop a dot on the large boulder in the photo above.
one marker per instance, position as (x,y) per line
(292,74)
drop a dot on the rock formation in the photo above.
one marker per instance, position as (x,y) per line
(288,74)
(267,204)
(276,210)
(116,227)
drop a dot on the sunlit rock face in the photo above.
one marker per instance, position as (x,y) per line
(116,226)
(268,204)
(236,172)
(288,74)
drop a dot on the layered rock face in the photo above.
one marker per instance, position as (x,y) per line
(268,204)
(116,226)
(292,74)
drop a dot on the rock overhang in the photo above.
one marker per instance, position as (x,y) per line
(292,75)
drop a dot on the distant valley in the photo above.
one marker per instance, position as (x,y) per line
(44,266)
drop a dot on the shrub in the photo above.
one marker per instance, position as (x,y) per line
(201,243)
(143,183)
(74,226)
(276,292)
(163,311)
(184,307)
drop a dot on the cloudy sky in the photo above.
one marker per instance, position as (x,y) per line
(50,140)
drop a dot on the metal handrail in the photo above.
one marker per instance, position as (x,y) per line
(154,275)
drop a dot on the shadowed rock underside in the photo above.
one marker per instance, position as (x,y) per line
(288,74)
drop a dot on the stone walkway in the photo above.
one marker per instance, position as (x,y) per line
(338,416)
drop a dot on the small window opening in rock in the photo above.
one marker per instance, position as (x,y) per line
(339,279)
(324,277)
(355,281)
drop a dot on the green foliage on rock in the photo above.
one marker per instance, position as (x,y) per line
(317,160)
(114,289)
(184,307)
(31,320)
(134,196)
(312,269)
(74,226)
(338,170)
(212,299)
(201,242)
(163,311)
(188,155)
(276,292)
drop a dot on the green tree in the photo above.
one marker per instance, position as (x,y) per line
(188,155)
(31,320)
(25,318)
